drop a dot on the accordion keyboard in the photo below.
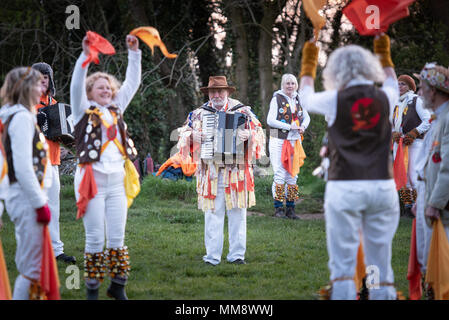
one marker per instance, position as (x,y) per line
(207,144)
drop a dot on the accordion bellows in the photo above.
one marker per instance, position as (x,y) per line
(56,122)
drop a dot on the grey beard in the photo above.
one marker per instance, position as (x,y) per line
(218,105)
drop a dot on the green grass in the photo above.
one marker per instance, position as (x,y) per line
(165,235)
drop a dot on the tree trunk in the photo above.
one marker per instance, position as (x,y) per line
(265,45)
(240,54)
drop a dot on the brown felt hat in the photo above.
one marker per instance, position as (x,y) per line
(408,80)
(217,82)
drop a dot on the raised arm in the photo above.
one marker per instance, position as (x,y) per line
(382,50)
(78,96)
(133,73)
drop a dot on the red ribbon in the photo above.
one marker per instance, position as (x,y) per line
(97,44)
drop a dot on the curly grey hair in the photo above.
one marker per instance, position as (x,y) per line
(351,62)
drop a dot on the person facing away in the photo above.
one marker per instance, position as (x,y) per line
(360,196)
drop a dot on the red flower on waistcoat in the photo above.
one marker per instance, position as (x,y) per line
(364,114)
(436,157)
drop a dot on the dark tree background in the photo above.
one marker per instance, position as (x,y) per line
(252,42)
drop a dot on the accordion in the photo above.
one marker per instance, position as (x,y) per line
(220,140)
(56,123)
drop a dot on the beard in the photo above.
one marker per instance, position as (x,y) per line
(218,103)
(427,103)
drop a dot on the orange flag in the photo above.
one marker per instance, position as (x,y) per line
(151,37)
(437,274)
(414,271)
(5,288)
(87,190)
(49,270)
(311,7)
(97,44)
(360,268)
(399,169)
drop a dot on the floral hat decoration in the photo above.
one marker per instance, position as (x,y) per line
(435,75)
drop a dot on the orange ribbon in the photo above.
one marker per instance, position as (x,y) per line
(87,190)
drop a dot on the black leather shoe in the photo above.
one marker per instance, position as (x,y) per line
(238,261)
(65,258)
(92,294)
(290,213)
(279,212)
(117,291)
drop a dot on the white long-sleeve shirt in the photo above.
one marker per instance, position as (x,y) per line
(21,131)
(325,103)
(423,113)
(111,159)
(273,112)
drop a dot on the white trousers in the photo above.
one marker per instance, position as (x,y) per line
(29,237)
(371,207)
(281,176)
(423,231)
(54,205)
(214,229)
(106,213)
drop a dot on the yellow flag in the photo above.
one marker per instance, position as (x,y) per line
(311,7)
(132,183)
(437,274)
(151,37)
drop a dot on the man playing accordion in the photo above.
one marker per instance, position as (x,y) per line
(225,179)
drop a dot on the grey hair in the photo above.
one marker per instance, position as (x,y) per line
(288,76)
(351,62)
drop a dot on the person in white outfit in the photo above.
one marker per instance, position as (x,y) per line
(360,195)
(26,154)
(411,122)
(434,170)
(285,109)
(48,99)
(223,187)
(103,144)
